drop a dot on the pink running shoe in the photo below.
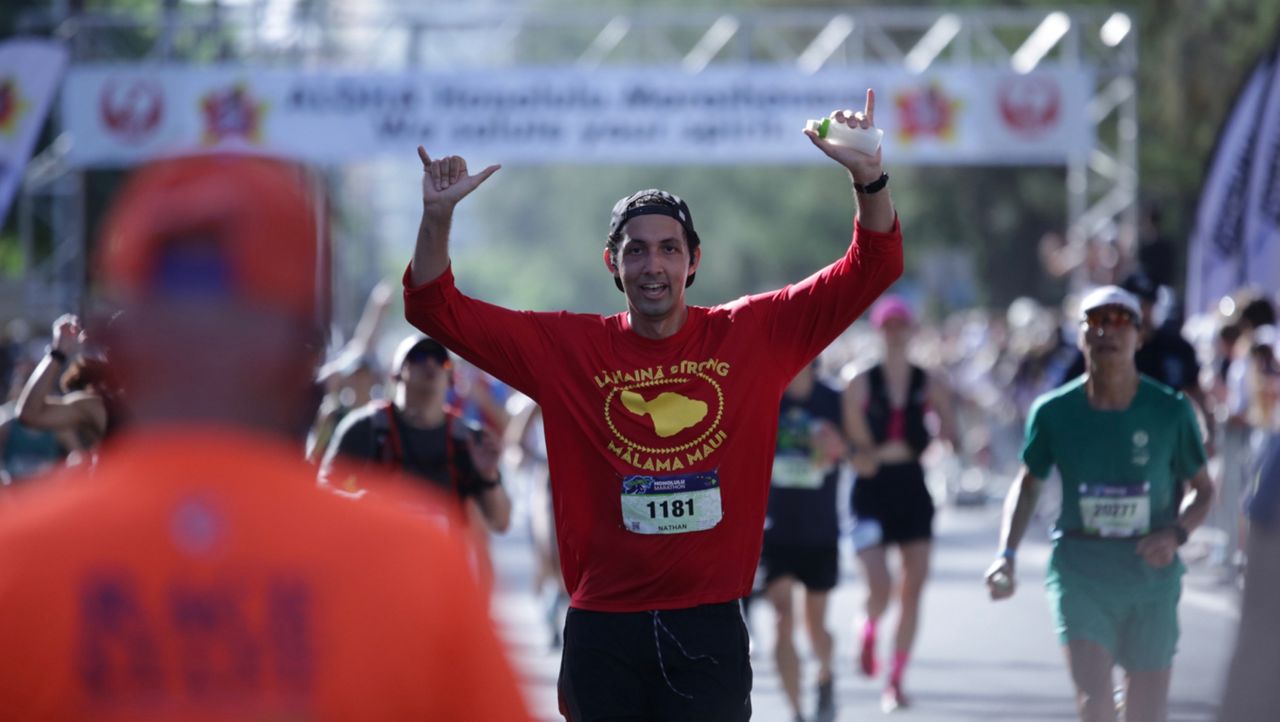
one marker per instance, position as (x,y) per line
(867,658)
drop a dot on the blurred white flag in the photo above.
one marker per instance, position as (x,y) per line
(1261,236)
(30,71)
(1219,258)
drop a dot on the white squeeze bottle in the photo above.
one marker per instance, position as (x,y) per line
(865,140)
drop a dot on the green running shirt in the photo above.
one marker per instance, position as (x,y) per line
(1121,477)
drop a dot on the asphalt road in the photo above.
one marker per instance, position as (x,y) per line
(974,659)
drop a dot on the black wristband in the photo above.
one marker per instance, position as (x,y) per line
(482,484)
(1180,534)
(874,186)
(57,355)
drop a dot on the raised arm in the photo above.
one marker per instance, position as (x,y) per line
(875,210)
(444,183)
(39,407)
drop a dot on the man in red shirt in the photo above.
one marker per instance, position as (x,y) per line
(660,425)
(199,573)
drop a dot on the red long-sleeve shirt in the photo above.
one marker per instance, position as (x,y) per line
(695,411)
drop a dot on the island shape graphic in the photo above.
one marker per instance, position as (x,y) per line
(671,412)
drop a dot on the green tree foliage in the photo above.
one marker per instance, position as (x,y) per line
(764,226)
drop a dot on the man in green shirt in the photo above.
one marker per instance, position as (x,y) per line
(1126,448)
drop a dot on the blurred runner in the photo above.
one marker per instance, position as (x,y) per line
(886,408)
(351,378)
(802,530)
(25,452)
(413,434)
(526,442)
(89,407)
(1252,694)
(201,574)
(1127,448)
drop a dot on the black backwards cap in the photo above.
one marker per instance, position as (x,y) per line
(1142,286)
(652,201)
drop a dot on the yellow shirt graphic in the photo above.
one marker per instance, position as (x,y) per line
(671,412)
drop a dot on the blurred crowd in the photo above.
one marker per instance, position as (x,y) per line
(61,403)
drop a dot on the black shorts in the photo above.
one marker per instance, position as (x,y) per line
(897,499)
(817,568)
(682,664)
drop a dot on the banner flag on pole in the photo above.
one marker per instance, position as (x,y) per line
(1218,263)
(1262,218)
(30,71)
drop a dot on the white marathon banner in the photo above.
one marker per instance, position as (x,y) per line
(125,114)
(29,75)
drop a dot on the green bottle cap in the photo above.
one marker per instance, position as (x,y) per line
(824,127)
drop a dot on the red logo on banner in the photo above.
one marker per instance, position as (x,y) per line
(1030,105)
(232,113)
(131,110)
(11,105)
(926,113)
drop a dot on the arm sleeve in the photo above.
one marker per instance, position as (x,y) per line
(804,318)
(498,340)
(1189,456)
(1036,453)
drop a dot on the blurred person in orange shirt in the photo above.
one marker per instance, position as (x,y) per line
(201,574)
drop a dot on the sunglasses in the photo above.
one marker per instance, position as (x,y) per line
(1112,317)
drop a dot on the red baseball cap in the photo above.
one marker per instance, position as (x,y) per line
(233,227)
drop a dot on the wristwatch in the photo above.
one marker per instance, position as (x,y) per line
(1179,533)
(56,355)
(874,186)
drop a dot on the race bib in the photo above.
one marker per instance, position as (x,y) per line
(1111,510)
(794,471)
(671,504)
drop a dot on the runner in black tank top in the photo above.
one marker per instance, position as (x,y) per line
(885,410)
(802,531)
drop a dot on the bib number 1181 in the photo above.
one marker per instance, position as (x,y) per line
(672,509)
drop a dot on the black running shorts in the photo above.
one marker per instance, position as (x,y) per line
(817,568)
(897,498)
(676,665)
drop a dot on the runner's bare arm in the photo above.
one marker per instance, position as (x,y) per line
(941,400)
(445,182)
(1019,505)
(1159,547)
(39,407)
(1196,510)
(862,444)
(494,502)
(875,210)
